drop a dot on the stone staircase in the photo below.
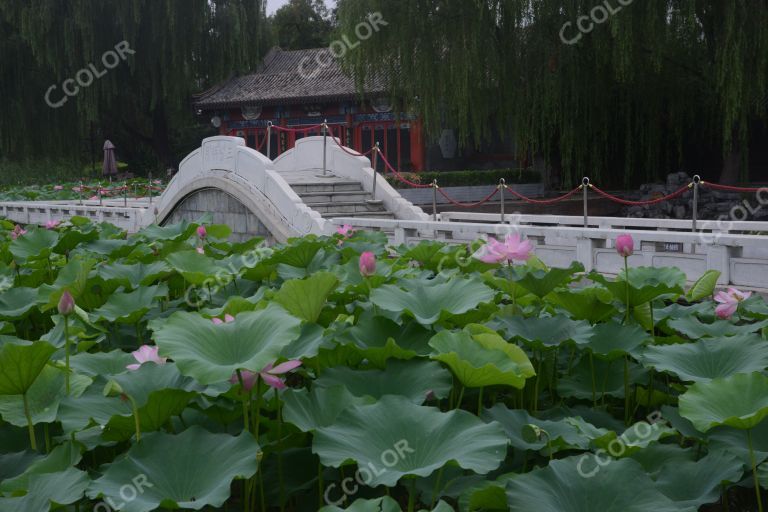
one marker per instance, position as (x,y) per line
(338,197)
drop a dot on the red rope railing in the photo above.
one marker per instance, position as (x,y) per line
(543,201)
(468,205)
(627,202)
(730,188)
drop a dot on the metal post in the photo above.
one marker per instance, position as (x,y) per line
(80,193)
(125,194)
(434,199)
(696,183)
(325,147)
(269,139)
(149,188)
(585,188)
(101,198)
(502,186)
(375,170)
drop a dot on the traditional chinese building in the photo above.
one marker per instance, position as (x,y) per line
(300,89)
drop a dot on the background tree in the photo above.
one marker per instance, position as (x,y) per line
(143,105)
(660,86)
(302,24)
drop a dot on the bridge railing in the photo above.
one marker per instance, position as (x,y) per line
(742,259)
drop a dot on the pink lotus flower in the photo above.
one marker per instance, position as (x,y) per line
(625,245)
(201,232)
(17,232)
(146,354)
(227,319)
(58,187)
(512,249)
(200,250)
(66,303)
(93,198)
(729,302)
(52,224)
(346,230)
(367,264)
(269,375)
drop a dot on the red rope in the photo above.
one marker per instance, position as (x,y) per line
(543,201)
(353,153)
(626,202)
(400,176)
(296,130)
(730,188)
(263,143)
(468,205)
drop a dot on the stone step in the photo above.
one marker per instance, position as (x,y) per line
(367,215)
(334,186)
(331,197)
(346,207)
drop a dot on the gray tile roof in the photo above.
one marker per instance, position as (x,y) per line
(290,77)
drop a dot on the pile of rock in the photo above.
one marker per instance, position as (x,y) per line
(713,204)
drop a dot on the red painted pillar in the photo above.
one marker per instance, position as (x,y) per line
(417,146)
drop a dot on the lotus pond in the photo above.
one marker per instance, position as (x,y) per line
(172,369)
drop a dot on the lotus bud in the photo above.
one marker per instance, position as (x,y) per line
(625,245)
(201,232)
(66,303)
(367,264)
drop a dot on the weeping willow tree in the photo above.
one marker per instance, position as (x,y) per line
(170,50)
(620,91)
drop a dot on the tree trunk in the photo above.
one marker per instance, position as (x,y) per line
(731,172)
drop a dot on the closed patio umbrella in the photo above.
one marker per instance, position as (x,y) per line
(110,164)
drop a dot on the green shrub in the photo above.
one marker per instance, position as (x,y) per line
(469,177)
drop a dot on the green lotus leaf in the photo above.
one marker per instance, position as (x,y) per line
(695,329)
(73,277)
(542,281)
(634,439)
(379,339)
(612,340)
(17,302)
(154,233)
(70,240)
(704,287)
(739,401)
(696,483)
(591,303)
(710,358)
(734,441)
(160,393)
(192,470)
(322,261)
(427,300)
(479,357)
(128,308)
(91,408)
(44,397)
(298,252)
(621,486)
(305,298)
(21,364)
(608,379)
(212,353)
(414,380)
(559,435)
(37,244)
(14,464)
(61,488)
(394,438)
(311,339)
(101,363)
(60,459)
(196,268)
(385,504)
(310,410)
(656,456)
(547,331)
(645,284)
(138,274)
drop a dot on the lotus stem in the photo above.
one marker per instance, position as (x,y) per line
(627,413)
(594,378)
(626,285)
(136,419)
(280,474)
(480,402)
(412,495)
(461,397)
(754,471)
(66,354)
(437,483)
(30,425)
(246,421)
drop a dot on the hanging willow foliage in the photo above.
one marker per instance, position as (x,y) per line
(180,47)
(655,82)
